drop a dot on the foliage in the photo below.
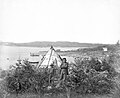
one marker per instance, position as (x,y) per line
(25,79)
(93,76)
(87,76)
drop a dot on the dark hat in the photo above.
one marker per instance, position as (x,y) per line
(64,59)
(51,64)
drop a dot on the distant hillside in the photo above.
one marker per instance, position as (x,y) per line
(48,44)
(100,48)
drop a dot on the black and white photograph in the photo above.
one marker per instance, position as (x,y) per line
(59,48)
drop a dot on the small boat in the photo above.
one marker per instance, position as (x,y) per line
(34,54)
(34,58)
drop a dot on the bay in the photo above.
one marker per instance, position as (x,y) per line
(10,54)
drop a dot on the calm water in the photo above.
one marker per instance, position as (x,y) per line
(9,55)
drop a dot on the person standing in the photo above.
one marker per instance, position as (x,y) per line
(63,71)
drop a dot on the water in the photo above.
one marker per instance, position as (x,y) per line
(10,54)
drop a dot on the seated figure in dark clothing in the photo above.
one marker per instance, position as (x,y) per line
(51,73)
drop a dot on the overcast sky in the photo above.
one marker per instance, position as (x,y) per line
(90,21)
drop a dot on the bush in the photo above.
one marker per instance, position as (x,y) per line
(25,79)
(88,76)
(93,76)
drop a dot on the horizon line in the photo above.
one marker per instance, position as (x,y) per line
(56,41)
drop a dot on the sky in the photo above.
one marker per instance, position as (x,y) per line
(84,21)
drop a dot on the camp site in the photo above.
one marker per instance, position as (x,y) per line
(92,72)
(59,48)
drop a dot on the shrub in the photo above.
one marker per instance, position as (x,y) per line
(93,76)
(25,79)
(88,76)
